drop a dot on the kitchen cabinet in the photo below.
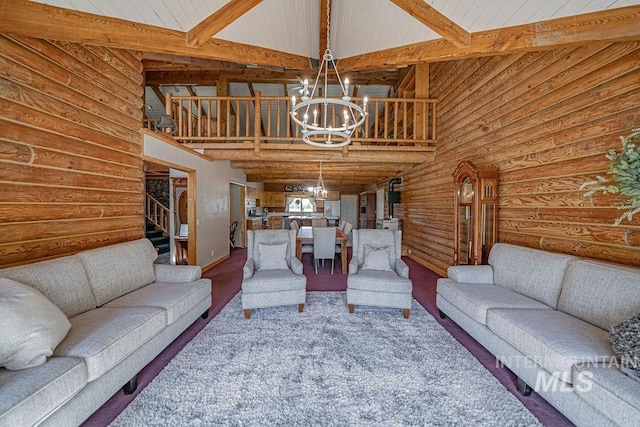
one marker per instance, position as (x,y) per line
(333,195)
(271,199)
(254,224)
(275,222)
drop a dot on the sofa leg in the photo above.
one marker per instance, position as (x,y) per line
(351,308)
(205,314)
(247,313)
(523,388)
(441,314)
(405,312)
(131,386)
(300,308)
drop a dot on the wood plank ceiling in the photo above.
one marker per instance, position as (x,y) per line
(189,46)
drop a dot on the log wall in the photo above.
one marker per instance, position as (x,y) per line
(546,120)
(70,148)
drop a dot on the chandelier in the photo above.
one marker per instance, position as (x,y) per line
(321,121)
(319,192)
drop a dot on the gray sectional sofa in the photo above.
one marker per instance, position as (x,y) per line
(547,316)
(119,310)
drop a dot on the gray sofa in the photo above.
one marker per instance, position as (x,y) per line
(123,310)
(546,316)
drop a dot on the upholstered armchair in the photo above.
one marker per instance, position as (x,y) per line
(272,275)
(377,274)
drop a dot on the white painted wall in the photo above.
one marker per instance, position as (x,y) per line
(212,195)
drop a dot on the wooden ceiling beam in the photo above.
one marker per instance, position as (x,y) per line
(200,78)
(32,19)
(611,25)
(162,61)
(423,12)
(302,153)
(325,19)
(170,75)
(215,22)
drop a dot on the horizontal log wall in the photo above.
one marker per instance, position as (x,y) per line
(70,149)
(546,120)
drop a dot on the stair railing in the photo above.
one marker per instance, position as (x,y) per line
(157,214)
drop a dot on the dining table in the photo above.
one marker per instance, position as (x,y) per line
(305,237)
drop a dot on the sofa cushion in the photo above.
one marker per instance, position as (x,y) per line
(379,281)
(474,299)
(274,281)
(610,391)
(28,396)
(552,339)
(118,269)
(377,258)
(273,256)
(31,326)
(599,293)
(176,298)
(105,336)
(63,281)
(531,272)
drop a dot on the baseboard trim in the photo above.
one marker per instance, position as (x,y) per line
(214,263)
(427,264)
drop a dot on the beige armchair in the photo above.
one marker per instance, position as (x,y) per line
(272,275)
(377,274)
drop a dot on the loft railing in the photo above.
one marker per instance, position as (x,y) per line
(391,121)
(157,213)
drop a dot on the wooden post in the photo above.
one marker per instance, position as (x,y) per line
(257,122)
(420,127)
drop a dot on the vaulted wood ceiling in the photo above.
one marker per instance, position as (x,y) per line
(196,43)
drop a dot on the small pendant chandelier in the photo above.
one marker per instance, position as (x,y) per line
(319,192)
(329,126)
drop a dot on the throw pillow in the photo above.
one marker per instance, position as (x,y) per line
(31,326)
(273,257)
(625,340)
(376,258)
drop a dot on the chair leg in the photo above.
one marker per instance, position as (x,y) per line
(405,312)
(300,308)
(332,260)
(351,308)
(247,313)
(315,262)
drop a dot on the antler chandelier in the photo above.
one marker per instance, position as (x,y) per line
(329,126)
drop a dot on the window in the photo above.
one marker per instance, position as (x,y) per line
(300,204)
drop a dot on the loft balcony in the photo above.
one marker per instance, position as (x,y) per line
(243,128)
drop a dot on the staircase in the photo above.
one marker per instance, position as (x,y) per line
(157,237)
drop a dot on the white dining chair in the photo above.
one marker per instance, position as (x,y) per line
(324,245)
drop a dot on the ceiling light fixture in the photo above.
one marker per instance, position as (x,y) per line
(319,192)
(329,126)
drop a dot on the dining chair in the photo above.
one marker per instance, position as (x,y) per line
(319,222)
(346,230)
(324,245)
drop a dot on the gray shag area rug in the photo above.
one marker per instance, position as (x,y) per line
(324,367)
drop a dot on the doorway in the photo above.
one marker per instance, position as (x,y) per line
(237,213)
(169,212)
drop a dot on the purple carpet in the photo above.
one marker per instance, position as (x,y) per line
(226,279)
